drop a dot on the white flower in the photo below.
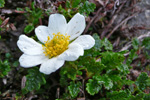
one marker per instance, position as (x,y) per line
(61,42)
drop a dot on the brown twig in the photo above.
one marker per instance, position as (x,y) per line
(129,44)
(108,26)
(125,20)
(91,21)
(5,22)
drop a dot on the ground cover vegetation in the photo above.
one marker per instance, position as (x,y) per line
(117,67)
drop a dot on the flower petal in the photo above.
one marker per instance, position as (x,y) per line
(30,61)
(76,26)
(29,46)
(42,32)
(57,23)
(86,41)
(51,65)
(72,53)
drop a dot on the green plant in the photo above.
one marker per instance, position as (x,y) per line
(34,80)
(4,68)
(104,72)
(2,3)
(33,15)
(73,6)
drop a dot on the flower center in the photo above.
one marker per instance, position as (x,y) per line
(56,46)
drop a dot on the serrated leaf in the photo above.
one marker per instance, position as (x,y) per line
(146,96)
(107,45)
(28,29)
(75,3)
(69,70)
(34,79)
(28,9)
(127,82)
(63,80)
(142,81)
(138,97)
(146,42)
(123,68)
(135,43)
(74,88)
(87,7)
(32,5)
(93,86)
(4,68)
(98,42)
(117,95)
(115,78)
(91,65)
(2,3)
(108,84)
(95,51)
(132,55)
(112,59)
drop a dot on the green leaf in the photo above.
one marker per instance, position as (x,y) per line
(87,7)
(135,43)
(7,55)
(98,42)
(146,42)
(74,88)
(2,3)
(146,96)
(15,63)
(75,3)
(63,80)
(115,78)
(34,79)
(132,55)
(4,68)
(1,21)
(123,68)
(91,65)
(32,5)
(28,9)
(105,80)
(142,81)
(69,70)
(67,4)
(112,59)
(93,86)
(28,28)
(107,45)
(138,97)
(19,9)
(117,95)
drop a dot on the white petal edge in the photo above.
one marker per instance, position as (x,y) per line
(76,26)
(72,53)
(51,65)
(30,61)
(86,41)
(57,23)
(42,32)
(29,46)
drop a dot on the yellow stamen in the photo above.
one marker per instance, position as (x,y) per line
(56,46)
